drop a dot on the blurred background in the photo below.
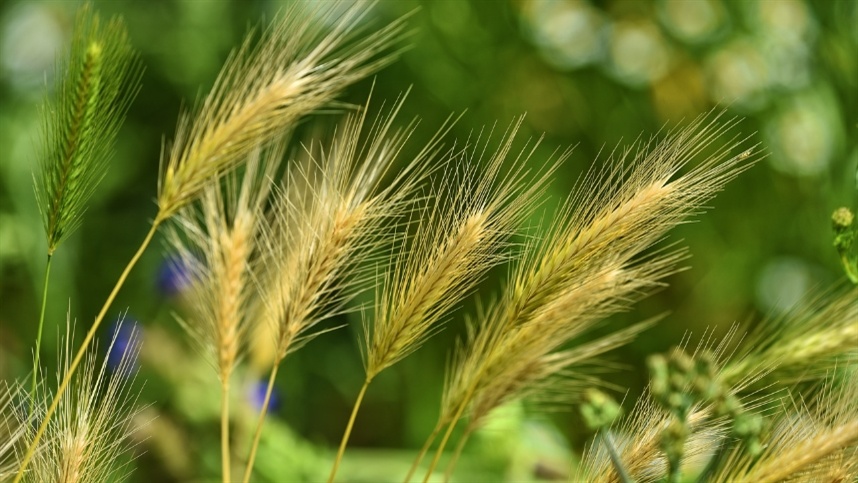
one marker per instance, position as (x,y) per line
(592,75)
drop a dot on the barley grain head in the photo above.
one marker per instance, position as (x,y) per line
(329,220)
(13,427)
(218,239)
(461,236)
(93,422)
(815,441)
(590,263)
(296,67)
(818,334)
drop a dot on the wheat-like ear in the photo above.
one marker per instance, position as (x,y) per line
(462,236)
(13,426)
(218,242)
(259,94)
(94,419)
(589,265)
(296,66)
(817,443)
(328,219)
(818,335)
(460,239)
(496,366)
(95,85)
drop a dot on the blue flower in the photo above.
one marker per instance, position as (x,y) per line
(123,345)
(256,396)
(174,275)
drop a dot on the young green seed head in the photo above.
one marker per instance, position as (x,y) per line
(100,77)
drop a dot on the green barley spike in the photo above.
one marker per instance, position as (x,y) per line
(95,85)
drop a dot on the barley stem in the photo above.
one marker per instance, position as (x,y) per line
(31,449)
(39,335)
(446,438)
(348,431)
(423,451)
(224,432)
(455,458)
(255,445)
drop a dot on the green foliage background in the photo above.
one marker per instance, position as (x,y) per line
(593,75)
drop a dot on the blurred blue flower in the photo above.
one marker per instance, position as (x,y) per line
(256,396)
(123,345)
(174,275)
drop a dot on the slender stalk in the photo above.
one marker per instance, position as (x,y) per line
(622,474)
(39,335)
(224,432)
(255,445)
(850,268)
(444,441)
(31,450)
(348,431)
(459,447)
(423,451)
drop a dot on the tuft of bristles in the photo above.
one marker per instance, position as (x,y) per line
(219,244)
(13,427)
(588,267)
(638,441)
(818,335)
(808,443)
(460,239)
(98,80)
(93,423)
(328,220)
(297,66)
(814,443)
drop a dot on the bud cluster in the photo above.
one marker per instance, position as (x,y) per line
(599,409)
(679,382)
(845,236)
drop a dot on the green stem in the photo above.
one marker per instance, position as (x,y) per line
(224,432)
(616,460)
(455,458)
(80,353)
(348,431)
(423,451)
(248,471)
(850,268)
(674,456)
(39,335)
(444,440)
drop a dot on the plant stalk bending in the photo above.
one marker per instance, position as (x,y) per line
(348,431)
(31,449)
(248,471)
